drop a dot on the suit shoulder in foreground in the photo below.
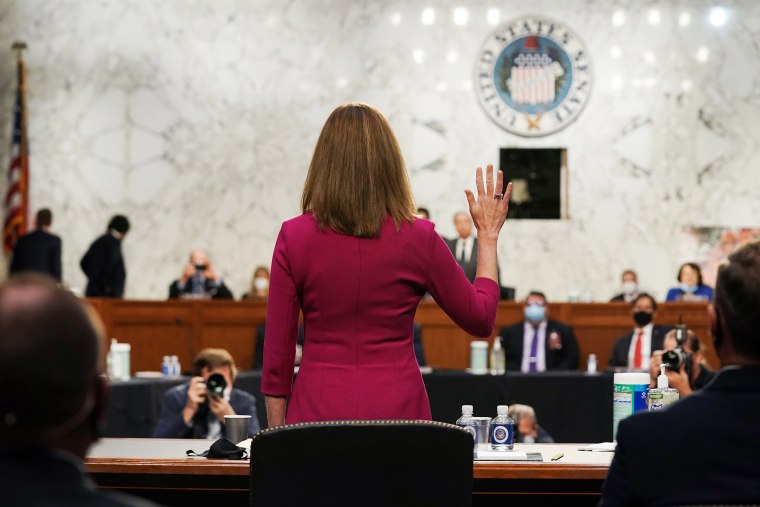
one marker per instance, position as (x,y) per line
(702,450)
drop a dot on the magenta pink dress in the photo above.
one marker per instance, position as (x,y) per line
(358,298)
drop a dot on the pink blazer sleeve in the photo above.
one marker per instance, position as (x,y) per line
(282,324)
(471,306)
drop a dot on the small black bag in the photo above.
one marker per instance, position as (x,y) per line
(222,449)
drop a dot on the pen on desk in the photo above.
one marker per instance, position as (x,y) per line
(557,456)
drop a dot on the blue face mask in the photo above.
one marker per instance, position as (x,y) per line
(535,313)
(689,288)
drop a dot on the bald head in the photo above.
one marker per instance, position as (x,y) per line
(49,353)
(199,257)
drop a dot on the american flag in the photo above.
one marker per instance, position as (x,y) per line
(17,196)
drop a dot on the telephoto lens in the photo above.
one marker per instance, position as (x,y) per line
(674,359)
(215,384)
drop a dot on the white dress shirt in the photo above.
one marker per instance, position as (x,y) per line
(646,346)
(464,248)
(528,333)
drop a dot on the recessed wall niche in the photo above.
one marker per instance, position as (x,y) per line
(539,182)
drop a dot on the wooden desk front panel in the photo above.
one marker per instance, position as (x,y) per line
(183,328)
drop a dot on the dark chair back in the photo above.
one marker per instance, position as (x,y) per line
(362,463)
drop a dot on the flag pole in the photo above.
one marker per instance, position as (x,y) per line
(19,46)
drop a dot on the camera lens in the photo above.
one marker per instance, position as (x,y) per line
(215,384)
(673,359)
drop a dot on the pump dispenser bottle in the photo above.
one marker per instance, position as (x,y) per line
(661,396)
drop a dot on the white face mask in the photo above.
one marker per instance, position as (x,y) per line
(261,283)
(629,287)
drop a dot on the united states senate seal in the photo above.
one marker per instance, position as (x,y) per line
(533,76)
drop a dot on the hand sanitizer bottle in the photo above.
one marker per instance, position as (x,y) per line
(502,430)
(661,396)
(467,421)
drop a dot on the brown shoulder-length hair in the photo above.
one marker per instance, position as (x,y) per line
(357,174)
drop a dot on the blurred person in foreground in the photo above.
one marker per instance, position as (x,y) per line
(693,374)
(703,449)
(39,250)
(104,263)
(539,343)
(53,399)
(356,263)
(199,280)
(634,350)
(527,429)
(191,411)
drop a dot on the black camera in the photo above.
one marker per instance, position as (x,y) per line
(678,357)
(215,385)
(201,267)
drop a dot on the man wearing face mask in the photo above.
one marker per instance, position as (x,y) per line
(53,398)
(199,280)
(538,343)
(629,284)
(634,349)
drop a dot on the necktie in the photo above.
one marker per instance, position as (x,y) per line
(533,361)
(460,250)
(637,351)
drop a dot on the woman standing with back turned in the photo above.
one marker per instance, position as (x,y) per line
(357,263)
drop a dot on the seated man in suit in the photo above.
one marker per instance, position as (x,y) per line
(539,343)
(39,250)
(53,398)
(199,280)
(190,411)
(465,246)
(706,446)
(634,349)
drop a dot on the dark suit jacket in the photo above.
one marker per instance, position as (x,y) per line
(171,425)
(565,358)
(37,477)
(702,450)
(216,292)
(104,266)
(620,348)
(38,251)
(470,268)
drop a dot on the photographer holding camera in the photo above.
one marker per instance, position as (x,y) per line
(199,280)
(197,409)
(685,363)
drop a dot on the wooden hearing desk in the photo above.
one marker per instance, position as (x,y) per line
(184,327)
(158,469)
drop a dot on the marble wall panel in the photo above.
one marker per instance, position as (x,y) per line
(197,119)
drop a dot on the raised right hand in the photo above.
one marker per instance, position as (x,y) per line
(488,213)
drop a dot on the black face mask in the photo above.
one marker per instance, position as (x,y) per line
(642,318)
